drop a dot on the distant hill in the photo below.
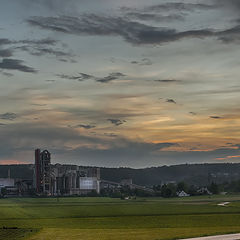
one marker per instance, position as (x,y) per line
(22,171)
(197,174)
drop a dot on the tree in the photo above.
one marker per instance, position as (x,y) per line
(214,188)
(168,190)
(3,191)
(182,186)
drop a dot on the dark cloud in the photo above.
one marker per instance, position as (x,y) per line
(117,152)
(180,6)
(116,122)
(231,35)
(171,101)
(38,104)
(111,77)
(215,117)
(39,51)
(154,17)
(44,41)
(110,134)
(50,80)
(143,61)
(166,80)
(133,32)
(42,48)
(15,64)
(8,116)
(166,12)
(81,77)
(5,41)
(35,47)
(193,113)
(85,76)
(85,126)
(6,53)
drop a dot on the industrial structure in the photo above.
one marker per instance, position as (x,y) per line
(54,180)
(43,172)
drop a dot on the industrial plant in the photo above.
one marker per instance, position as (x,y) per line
(54,180)
(47,179)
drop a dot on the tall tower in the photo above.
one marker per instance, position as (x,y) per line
(38,170)
(43,172)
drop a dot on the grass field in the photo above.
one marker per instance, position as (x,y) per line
(115,219)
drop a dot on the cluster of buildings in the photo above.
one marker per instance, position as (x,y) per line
(61,180)
(54,180)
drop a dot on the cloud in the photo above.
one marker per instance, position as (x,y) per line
(8,116)
(154,17)
(85,126)
(111,77)
(36,47)
(6,53)
(166,80)
(15,64)
(84,76)
(110,134)
(171,101)
(143,61)
(50,80)
(5,41)
(215,117)
(6,74)
(180,6)
(44,41)
(66,143)
(81,77)
(131,31)
(40,51)
(193,113)
(116,122)
(42,47)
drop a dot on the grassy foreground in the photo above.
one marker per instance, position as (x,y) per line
(114,219)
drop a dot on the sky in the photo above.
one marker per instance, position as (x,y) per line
(127,83)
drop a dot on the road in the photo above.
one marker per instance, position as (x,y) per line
(219,237)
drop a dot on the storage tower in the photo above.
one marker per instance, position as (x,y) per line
(43,172)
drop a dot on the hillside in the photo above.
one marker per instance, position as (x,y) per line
(198,174)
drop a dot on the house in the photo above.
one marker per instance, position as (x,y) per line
(182,194)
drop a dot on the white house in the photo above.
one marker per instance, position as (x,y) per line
(182,194)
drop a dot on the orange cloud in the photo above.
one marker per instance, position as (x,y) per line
(228,157)
(11,162)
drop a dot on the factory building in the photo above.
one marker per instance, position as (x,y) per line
(43,172)
(54,180)
(8,184)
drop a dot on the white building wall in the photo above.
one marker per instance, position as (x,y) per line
(6,182)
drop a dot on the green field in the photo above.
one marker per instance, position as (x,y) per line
(115,219)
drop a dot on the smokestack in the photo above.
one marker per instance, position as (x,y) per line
(37,169)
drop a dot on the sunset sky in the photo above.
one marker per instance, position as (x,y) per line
(131,83)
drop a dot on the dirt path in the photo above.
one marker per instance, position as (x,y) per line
(220,237)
